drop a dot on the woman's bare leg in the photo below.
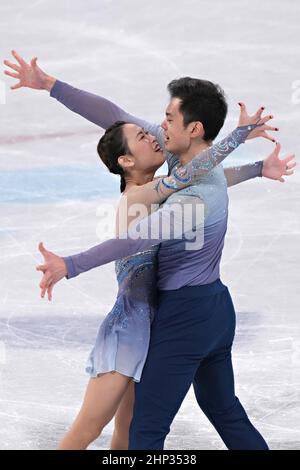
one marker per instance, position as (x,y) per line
(102,398)
(123,419)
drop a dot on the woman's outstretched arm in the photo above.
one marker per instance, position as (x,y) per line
(94,108)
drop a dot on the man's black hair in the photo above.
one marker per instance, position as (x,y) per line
(201,100)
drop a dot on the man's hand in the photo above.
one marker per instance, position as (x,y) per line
(54,269)
(245,119)
(275,169)
(29,75)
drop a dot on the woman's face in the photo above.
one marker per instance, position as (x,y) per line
(148,156)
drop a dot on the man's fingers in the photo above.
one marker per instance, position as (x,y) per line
(15,87)
(49,290)
(41,267)
(12,74)
(46,281)
(12,66)
(45,284)
(33,62)
(282,180)
(42,249)
(18,58)
(289,172)
(291,165)
(289,158)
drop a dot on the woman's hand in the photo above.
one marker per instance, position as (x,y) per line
(29,75)
(245,119)
(53,269)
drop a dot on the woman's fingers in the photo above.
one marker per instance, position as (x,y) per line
(18,58)
(266,118)
(265,127)
(265,135)
(277,148)
(12,66)
(243,110)
(289,172)
(258,113)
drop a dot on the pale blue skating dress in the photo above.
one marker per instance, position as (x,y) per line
(123,337)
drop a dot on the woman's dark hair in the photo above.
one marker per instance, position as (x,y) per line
(201,100)
(111,146)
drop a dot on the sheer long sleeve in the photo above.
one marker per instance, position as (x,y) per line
(95,108)
(177,218)
(205,161)
(238,174)
(103,112)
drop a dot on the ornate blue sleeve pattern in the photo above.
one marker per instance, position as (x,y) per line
(207,159)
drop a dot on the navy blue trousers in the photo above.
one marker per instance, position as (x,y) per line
(191,341)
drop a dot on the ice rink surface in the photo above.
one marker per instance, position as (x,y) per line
(52,185)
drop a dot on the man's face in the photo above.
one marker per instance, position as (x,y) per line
(177,137)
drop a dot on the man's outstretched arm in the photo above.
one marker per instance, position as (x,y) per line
(171,221)
(238,174)
(271,167)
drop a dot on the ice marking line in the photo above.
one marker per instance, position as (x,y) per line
(19,416)
(29,138)
(34,403)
